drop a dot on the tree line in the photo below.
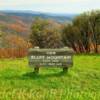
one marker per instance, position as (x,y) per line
(82,34)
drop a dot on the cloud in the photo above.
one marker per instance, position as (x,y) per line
(51,5)
(30,2)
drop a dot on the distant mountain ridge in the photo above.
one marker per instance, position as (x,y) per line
(31,14)
(17,21)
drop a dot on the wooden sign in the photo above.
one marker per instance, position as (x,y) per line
(51,57)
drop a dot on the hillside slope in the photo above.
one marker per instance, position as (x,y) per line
(18,24)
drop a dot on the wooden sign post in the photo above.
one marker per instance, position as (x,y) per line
(62,58)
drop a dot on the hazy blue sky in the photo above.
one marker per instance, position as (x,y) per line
(53,6)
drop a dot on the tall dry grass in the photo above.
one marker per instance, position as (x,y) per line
(13,52)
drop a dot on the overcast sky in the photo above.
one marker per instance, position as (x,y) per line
(52,6)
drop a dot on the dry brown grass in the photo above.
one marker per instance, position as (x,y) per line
(13,52)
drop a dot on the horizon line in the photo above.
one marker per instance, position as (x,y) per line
(15,10)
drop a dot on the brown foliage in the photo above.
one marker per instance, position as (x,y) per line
(18,27)
(13,52)
(16,47)
(17,42)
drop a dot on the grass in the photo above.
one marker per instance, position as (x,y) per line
(82,82)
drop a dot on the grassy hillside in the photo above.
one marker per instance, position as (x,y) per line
(82,82)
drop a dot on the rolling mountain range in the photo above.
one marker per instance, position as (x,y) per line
(19,22)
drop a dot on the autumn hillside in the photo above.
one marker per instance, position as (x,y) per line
(20,21)
(14,25)
(15,29)
(20,30)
